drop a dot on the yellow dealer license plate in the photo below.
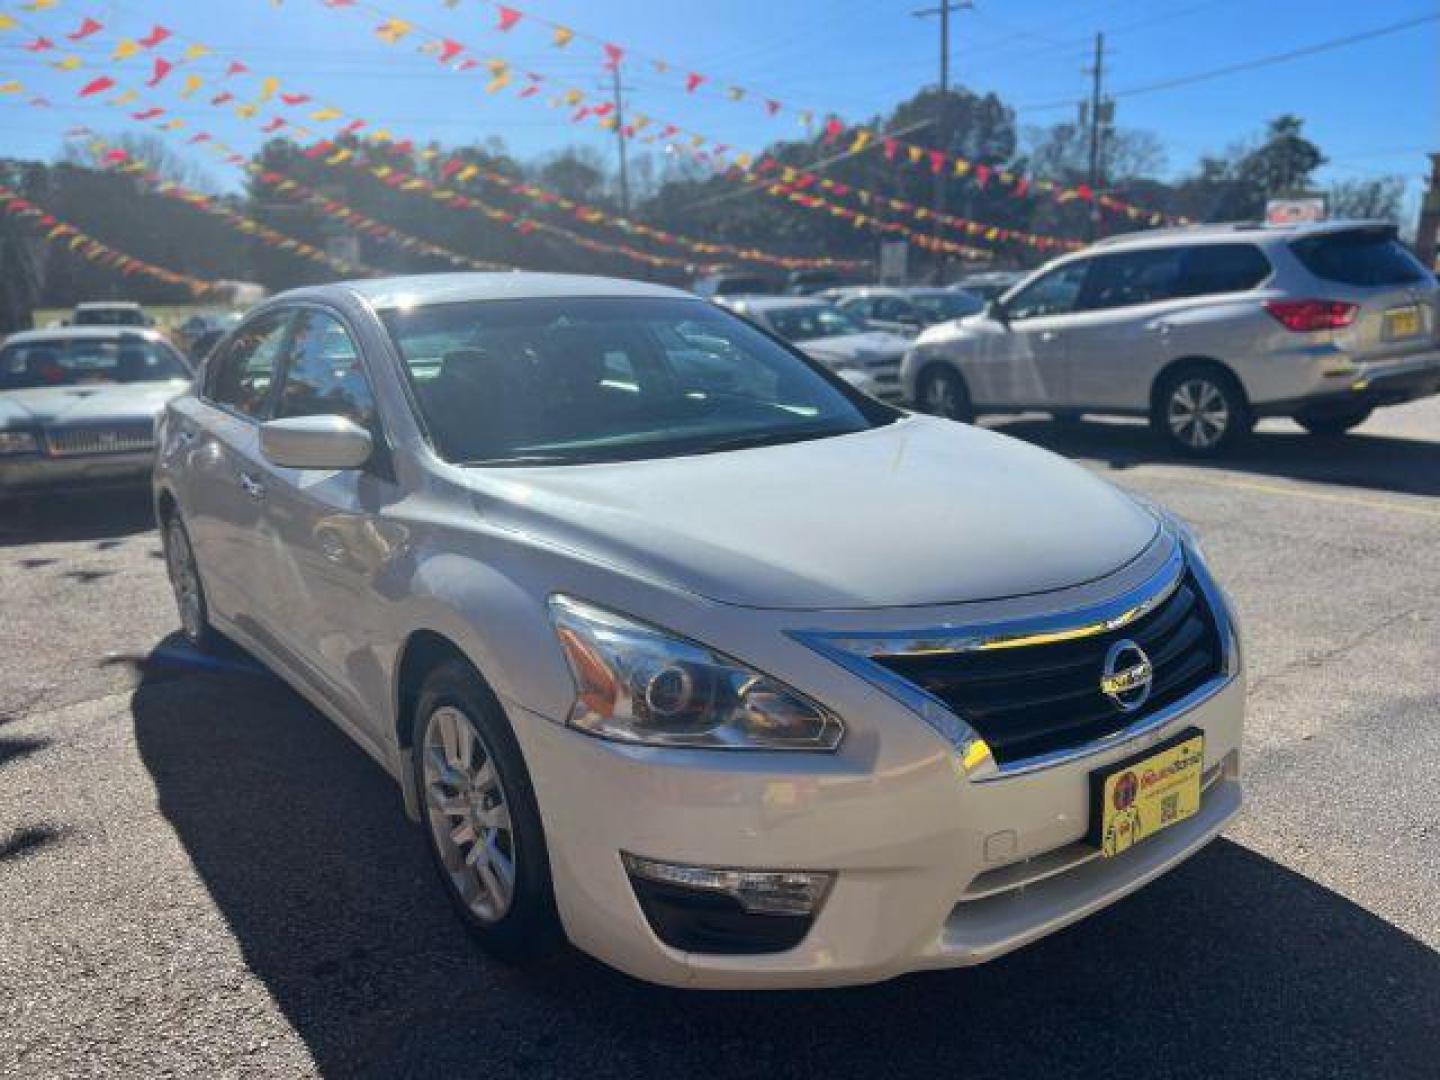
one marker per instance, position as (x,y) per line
(1402,322)
(1135,799)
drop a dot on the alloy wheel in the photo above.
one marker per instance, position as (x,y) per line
(185,580)
(941,397)
(1198,413)
(469,814)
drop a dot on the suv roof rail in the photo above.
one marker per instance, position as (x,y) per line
(1199,227)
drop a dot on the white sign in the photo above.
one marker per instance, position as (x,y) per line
(1290,211)
(894,261)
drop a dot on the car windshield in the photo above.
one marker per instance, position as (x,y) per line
(87,361)
(944,304)
(576,380)
(109,316)
(805,322)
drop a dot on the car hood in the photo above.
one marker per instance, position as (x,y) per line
(49,406)
(863,348)
(922,511)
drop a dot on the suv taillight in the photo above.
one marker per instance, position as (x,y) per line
(1303,316)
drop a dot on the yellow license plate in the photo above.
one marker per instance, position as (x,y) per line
(1402,321)
(1135,799)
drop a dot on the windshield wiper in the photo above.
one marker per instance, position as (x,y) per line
(766,438)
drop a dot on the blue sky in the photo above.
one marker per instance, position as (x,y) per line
(1373,107)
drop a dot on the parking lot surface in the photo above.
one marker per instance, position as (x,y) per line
(199,876)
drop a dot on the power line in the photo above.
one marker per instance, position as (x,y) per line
(1250,65)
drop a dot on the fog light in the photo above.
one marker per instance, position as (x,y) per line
(759,892)
(704,910)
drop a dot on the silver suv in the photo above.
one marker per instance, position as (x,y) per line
(1201,329)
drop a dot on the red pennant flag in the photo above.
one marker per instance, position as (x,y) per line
(294,99)
(890,147)
(40,44)
(86,28)
(772,107)
(115,155)
(669,130)
(161,69)
(324,146)
(274,125)
(603,109)
(449,50)
(982,174)
(155,37)
(693,80)
(508,18)
(529,91)
(1083,190)
(1022,186)
(450,168)
(937,160)
(468,63)
(222,97)
(613,55)
(833,130)
(97,86)
(352,126)
(147,114)
(199,137)
(236,68)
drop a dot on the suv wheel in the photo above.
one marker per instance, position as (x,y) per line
(189,592)
(1333,423)
(481,818)
(942,393)
(1200,411)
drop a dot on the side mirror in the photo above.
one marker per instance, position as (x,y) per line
(315,442)
(996,310)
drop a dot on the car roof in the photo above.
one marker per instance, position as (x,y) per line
(89,333)
(775,303)
(1219,232)
(101,305)
(420,289)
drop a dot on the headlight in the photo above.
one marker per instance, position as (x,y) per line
(638,683)
(18,442)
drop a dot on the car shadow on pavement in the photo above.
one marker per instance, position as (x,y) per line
(1231,966)
(1379,462)
(100,515)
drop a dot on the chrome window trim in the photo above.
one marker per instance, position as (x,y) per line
(857,652)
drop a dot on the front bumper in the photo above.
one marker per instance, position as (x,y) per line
(933,869)
(36,472)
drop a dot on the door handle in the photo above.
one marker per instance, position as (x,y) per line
(1048,335)
(1161,328)
(251,486)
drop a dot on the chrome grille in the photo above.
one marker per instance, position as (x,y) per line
(107,439)
(1034,700)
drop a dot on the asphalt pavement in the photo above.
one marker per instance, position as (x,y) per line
(199,876)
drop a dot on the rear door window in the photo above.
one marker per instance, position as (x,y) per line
(1207,269)
(1364,257)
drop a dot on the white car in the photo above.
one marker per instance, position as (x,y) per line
(681,647)
(829,335)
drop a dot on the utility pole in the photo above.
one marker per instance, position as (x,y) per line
(620,139)
(942,129)
(1097,108)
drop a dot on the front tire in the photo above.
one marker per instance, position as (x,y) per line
(480,816)
(185,581)
(1334,423)
(942,392)
(1201,411)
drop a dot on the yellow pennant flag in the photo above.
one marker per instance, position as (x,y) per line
(861,140)
(68,63)
(7,22)
(572,97)
(498,82)
(39,5)
(173,124)
(194,52)
(561,36)
(246,111)
(327,113)
(11,87)
(268,86)
(392,30)
(124,97)
(191,84)
(124,49)
(380,135)
(467,173)
(735,93)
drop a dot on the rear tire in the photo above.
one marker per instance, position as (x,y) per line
(1334,423)
(942,392)
(480,817)
(1200,411)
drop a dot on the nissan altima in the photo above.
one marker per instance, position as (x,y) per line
(681,648)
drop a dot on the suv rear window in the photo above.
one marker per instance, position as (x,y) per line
(1359,257)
